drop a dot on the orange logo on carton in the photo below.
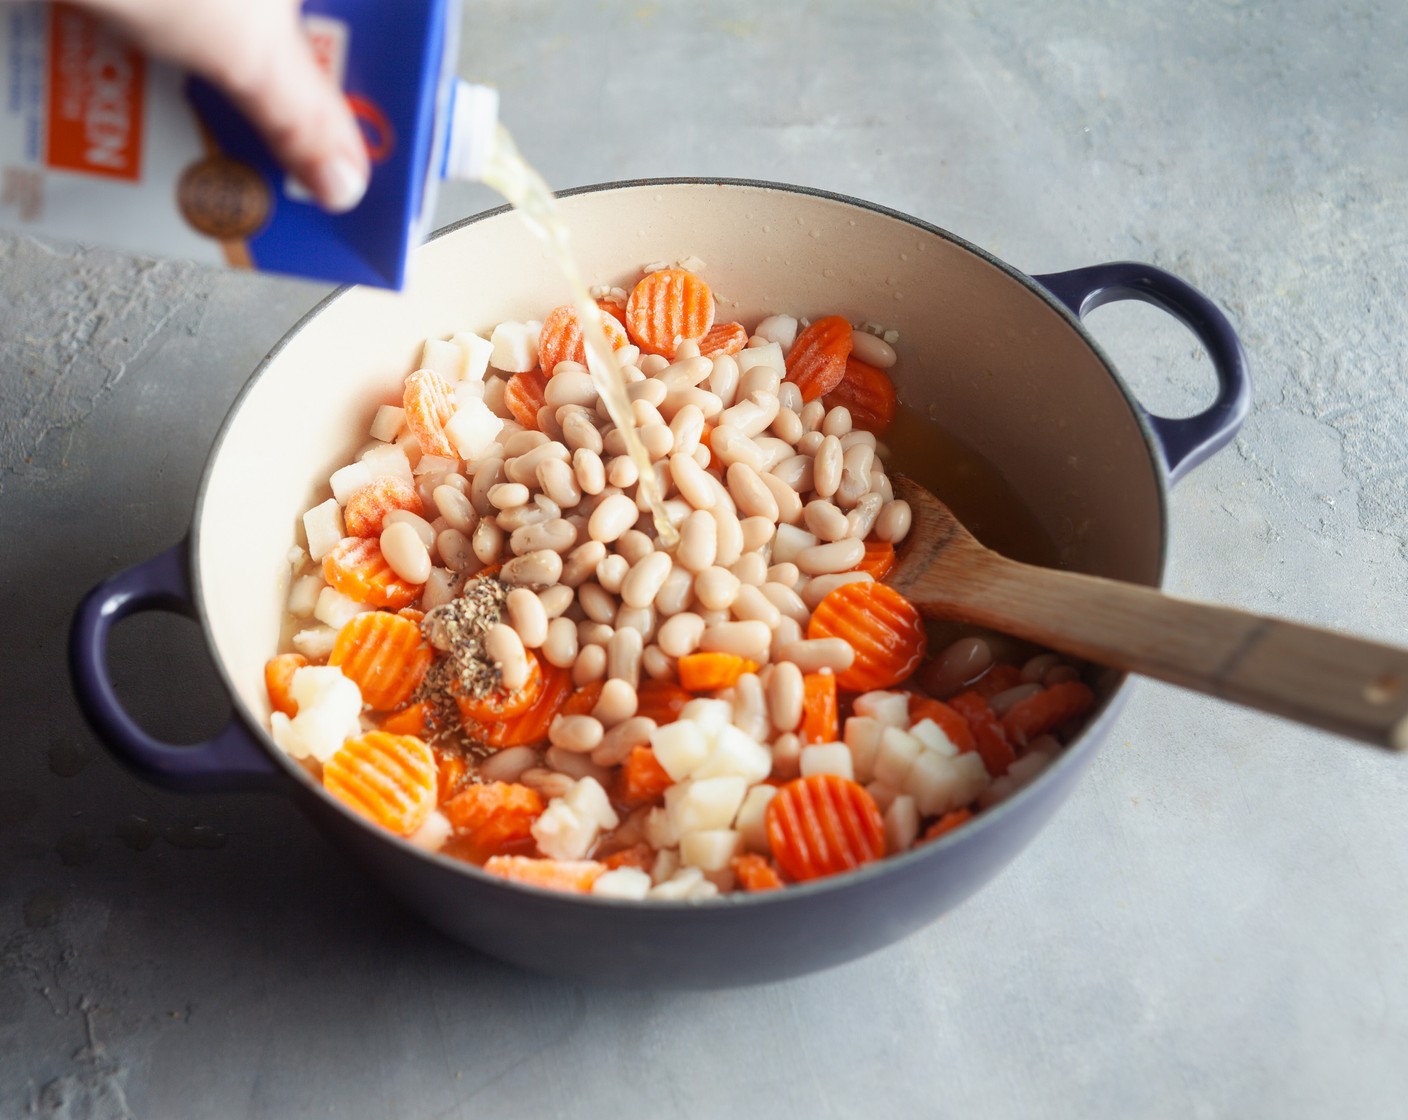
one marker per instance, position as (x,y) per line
(97,85)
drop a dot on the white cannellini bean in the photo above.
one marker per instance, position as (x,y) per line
(786,601)
(751,568)
(747,639)
(837,422)
(787,425)
(677,592)
(578,734)
(811,415)
(617,703)
(787,574)
(789,502)
(613,517)
(542,508)
(521,442)
(570,386)
(592,633)
(826,467)
(680,635)
(893,523)
(454,506)
(872,350)
(687,427)
(750,707)
(596,603)
(558,481)
(560,647)
(612,571)
(732,446)
(811,655)
(524,469)
(787,631)
(487,475)
(810,443)
(588,471)
(699,541)
(580,432)
(508,765)
(405,552)
(557,535)
(648,389)
(634,545)
(526,615)
(693,481)
(723,379)
(424,530)
(751,603)
(589,666)
(645,579)
(623,654)
(786,696)
(539,569)
(637,618)
(751,497)
(757,532)
(508,495)
(487,541)
(456,551)
(581,563)
(861,520)
(730,536)
(505,649)
(825,559)
(716,588)
(620,740)
(789,395)
(819,588)
(825,520)
(622,472)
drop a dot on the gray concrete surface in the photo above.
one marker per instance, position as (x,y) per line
(1214,926)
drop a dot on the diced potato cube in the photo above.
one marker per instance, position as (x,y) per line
(346,481)
(901,824)
(781,329)
(433,833)
(477,352)
(329,713)
(659,832)
(828,758)
(444,357)
(472,429)
(494,397)
(588,800)
(622,882)
(387,423)
(667,862)
(389,461)
(680,747)
(515,346)
(735,752)
(932,736)
(751,821)
(336,609)
(939,784)
(436,464)
(769,355)
(303,595)
(322,525)
(862,735)
(315,643)
(710,849)
(680,885)
(882,794)
(898,750)
(563,833)
(889,708)
(708,714)
(705,803)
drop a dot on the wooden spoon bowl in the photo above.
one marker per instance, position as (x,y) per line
(1347,685)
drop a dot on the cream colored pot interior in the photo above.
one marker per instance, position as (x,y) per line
(1000,368)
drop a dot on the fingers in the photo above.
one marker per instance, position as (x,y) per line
(305,121)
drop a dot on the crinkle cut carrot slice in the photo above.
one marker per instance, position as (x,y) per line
(411,720)
(817,361)
(867,393)
(356,567)
(530,726)
(709,672)
(278,681)
(453,766)
(524,395)
(883,628)
(494,817)
(643,779)
(754,873)
(616,310)
(954,818)
(723,338)
(988,736)
(571,875)
(641,856)
(878,561)
(823,824)
(584,699)
(950,721)
(1046,711)
(821,721)
(561,339)
(368,507)
(385,655)
(389,779)
(666,308)
(500,703)
(661,701)
(429,402)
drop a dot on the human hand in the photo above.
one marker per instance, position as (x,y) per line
(254,52)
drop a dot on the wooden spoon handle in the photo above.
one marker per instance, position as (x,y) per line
(1343,684)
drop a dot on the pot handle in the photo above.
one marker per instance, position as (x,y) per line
(1184,441)
(232,760)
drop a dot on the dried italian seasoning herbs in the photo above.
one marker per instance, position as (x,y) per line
(456,630)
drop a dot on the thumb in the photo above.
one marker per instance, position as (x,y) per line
(305,121)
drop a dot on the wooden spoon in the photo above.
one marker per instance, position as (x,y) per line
(1319,677)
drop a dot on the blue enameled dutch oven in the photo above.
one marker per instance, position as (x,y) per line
(999,356)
